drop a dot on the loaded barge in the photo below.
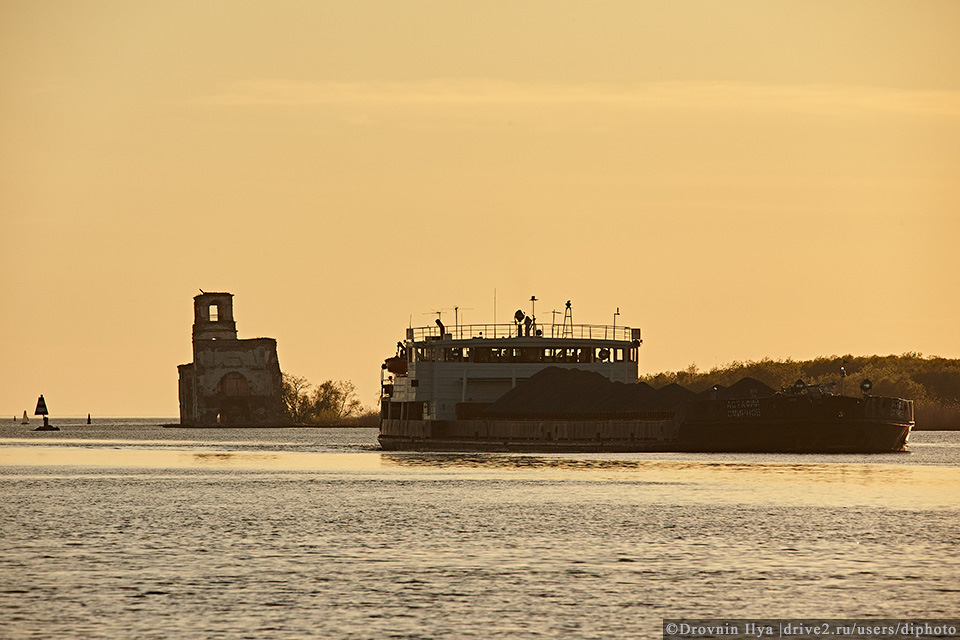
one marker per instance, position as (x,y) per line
(528,387)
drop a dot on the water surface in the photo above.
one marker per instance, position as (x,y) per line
(129,530)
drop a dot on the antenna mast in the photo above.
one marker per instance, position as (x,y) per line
(533,312)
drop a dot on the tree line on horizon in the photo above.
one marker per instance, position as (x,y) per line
(933,383)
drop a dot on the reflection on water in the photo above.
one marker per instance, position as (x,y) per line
(214,458)
(625,467)
(148,433)
(128,457)
(793,480)
(328,538)
(53,442)
(718,470)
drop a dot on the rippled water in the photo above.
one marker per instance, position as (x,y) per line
(124,529)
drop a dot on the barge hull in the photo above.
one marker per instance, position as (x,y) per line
(838,436)
(639,436)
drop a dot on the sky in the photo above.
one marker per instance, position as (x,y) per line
(741,179)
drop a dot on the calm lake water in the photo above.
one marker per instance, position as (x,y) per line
(124,529)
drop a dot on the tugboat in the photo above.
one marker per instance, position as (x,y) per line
(573,388)
(441,379)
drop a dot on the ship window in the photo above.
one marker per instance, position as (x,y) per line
(214,313)
(456,354)
(523,355)
(414,410)
(526,355)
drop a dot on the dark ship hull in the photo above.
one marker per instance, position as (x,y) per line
(797,424)
(801,420)
(755,437)
(797,437)
(529,436)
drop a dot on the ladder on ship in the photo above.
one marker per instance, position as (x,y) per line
(567,331)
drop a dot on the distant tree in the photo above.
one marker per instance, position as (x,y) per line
(335,400)
(296,398)
(327,403)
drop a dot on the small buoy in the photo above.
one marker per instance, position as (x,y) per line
(41,407)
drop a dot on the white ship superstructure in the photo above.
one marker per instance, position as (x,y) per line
(442,373)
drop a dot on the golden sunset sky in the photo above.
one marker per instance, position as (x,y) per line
(741,178)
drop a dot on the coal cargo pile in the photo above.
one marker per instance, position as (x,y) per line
(744,388)
(748,388)
(574,394)
(669,397)
(558,393)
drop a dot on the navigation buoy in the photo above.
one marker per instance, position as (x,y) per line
(42,411)
(41,407)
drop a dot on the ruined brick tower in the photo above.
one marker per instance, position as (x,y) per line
(230,382)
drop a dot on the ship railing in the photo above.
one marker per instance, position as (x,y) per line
(511,330)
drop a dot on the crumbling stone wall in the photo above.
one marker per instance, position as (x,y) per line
(231,382)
